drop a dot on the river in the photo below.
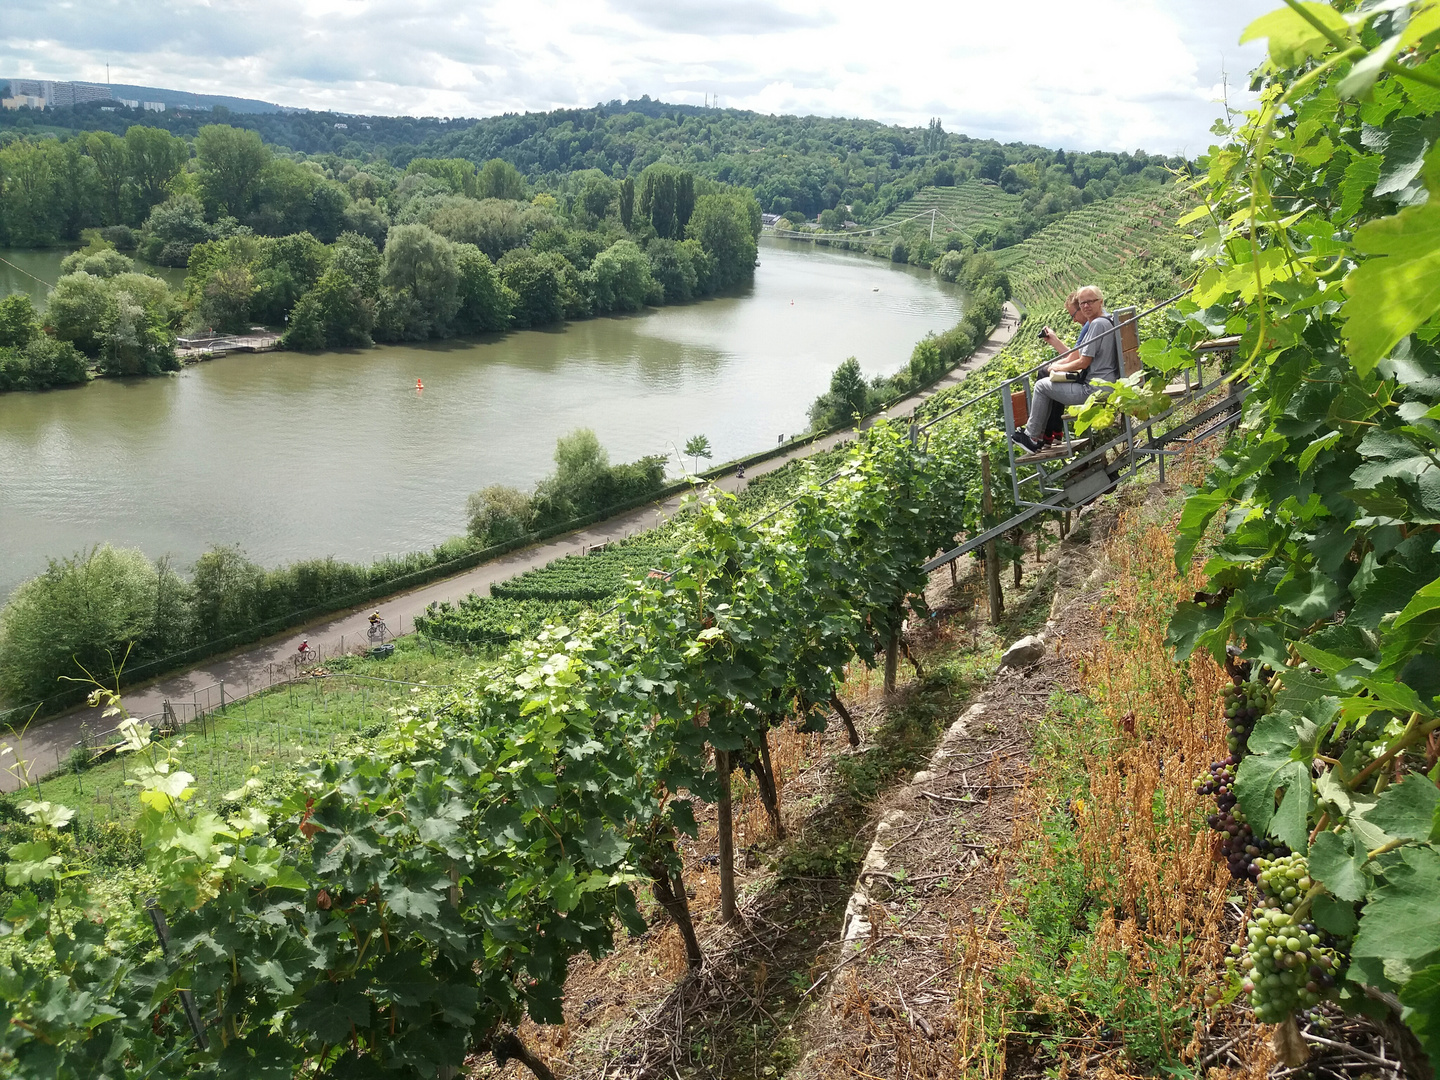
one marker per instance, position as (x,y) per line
(296,455)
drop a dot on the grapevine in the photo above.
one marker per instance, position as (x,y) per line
(1320,257)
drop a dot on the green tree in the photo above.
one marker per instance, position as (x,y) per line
(727,227)
(81,310)
(620,279)
(102,262)
(31,211)
(228,593)
(282,198)
(536,282)
(368,219)
(457,173)
(173,229)
(19,322)
(112,173)
(421,264)
(344,313)
(139,338)
(684,201)
(358,256)
(225,298)
(285,269)
(672,265)
(698,446)
(847,385)
(231,161)
(597,195)
(155,158)
(627,201)
(500,180)
(493,225)
(485,302)
(78,189)
(40,364)
(658,193)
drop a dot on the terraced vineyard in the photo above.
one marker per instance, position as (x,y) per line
(968,206)
(1089,243)
(518,608)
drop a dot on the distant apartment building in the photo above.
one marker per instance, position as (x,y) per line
(43,93)
(129,103)
(153,106)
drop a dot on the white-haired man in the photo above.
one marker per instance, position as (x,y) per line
(1096,357)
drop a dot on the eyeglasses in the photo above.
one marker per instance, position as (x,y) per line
(1084,302)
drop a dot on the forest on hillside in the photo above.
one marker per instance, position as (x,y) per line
(803,164)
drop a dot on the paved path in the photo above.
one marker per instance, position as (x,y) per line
(256,667)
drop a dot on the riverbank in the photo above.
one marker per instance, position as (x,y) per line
(42,749)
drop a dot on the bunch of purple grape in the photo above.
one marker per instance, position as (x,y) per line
(1244,703)
(1239,846)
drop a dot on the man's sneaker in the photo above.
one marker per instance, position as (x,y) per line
(1022,438)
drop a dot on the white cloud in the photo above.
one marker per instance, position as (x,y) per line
(1114,74)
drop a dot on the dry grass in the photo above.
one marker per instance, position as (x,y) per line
(1120,771)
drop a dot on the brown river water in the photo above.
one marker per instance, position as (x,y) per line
(294,455)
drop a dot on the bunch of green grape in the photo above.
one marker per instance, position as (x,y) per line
(1284,965)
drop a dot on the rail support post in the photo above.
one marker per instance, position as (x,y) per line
(992,556)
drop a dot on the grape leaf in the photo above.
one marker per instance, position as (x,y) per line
(330,1009)
(1420,998)
(601,844)
(1361,175)
(1336,916)
(1426,599)
(1398,288)
(1399,922)
(31,862)
(259,1055)
(1292,40)
(1333,864)
(1366,70)
(1407,809)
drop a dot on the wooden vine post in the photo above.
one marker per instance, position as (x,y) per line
(726,822)
(892,651)
(992,557)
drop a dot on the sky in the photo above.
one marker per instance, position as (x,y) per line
(1102,74)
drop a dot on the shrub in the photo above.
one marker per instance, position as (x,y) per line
(499,513)
(87,611)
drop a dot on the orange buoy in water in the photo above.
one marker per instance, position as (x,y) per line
(419,385)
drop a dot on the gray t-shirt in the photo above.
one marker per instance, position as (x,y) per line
(1103,348)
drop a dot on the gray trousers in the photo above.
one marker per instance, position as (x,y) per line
(1066,393)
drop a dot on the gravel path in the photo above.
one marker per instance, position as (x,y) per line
(40,750)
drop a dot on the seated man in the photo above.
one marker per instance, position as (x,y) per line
(1096,357)
(1054,424)
(1079,318)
